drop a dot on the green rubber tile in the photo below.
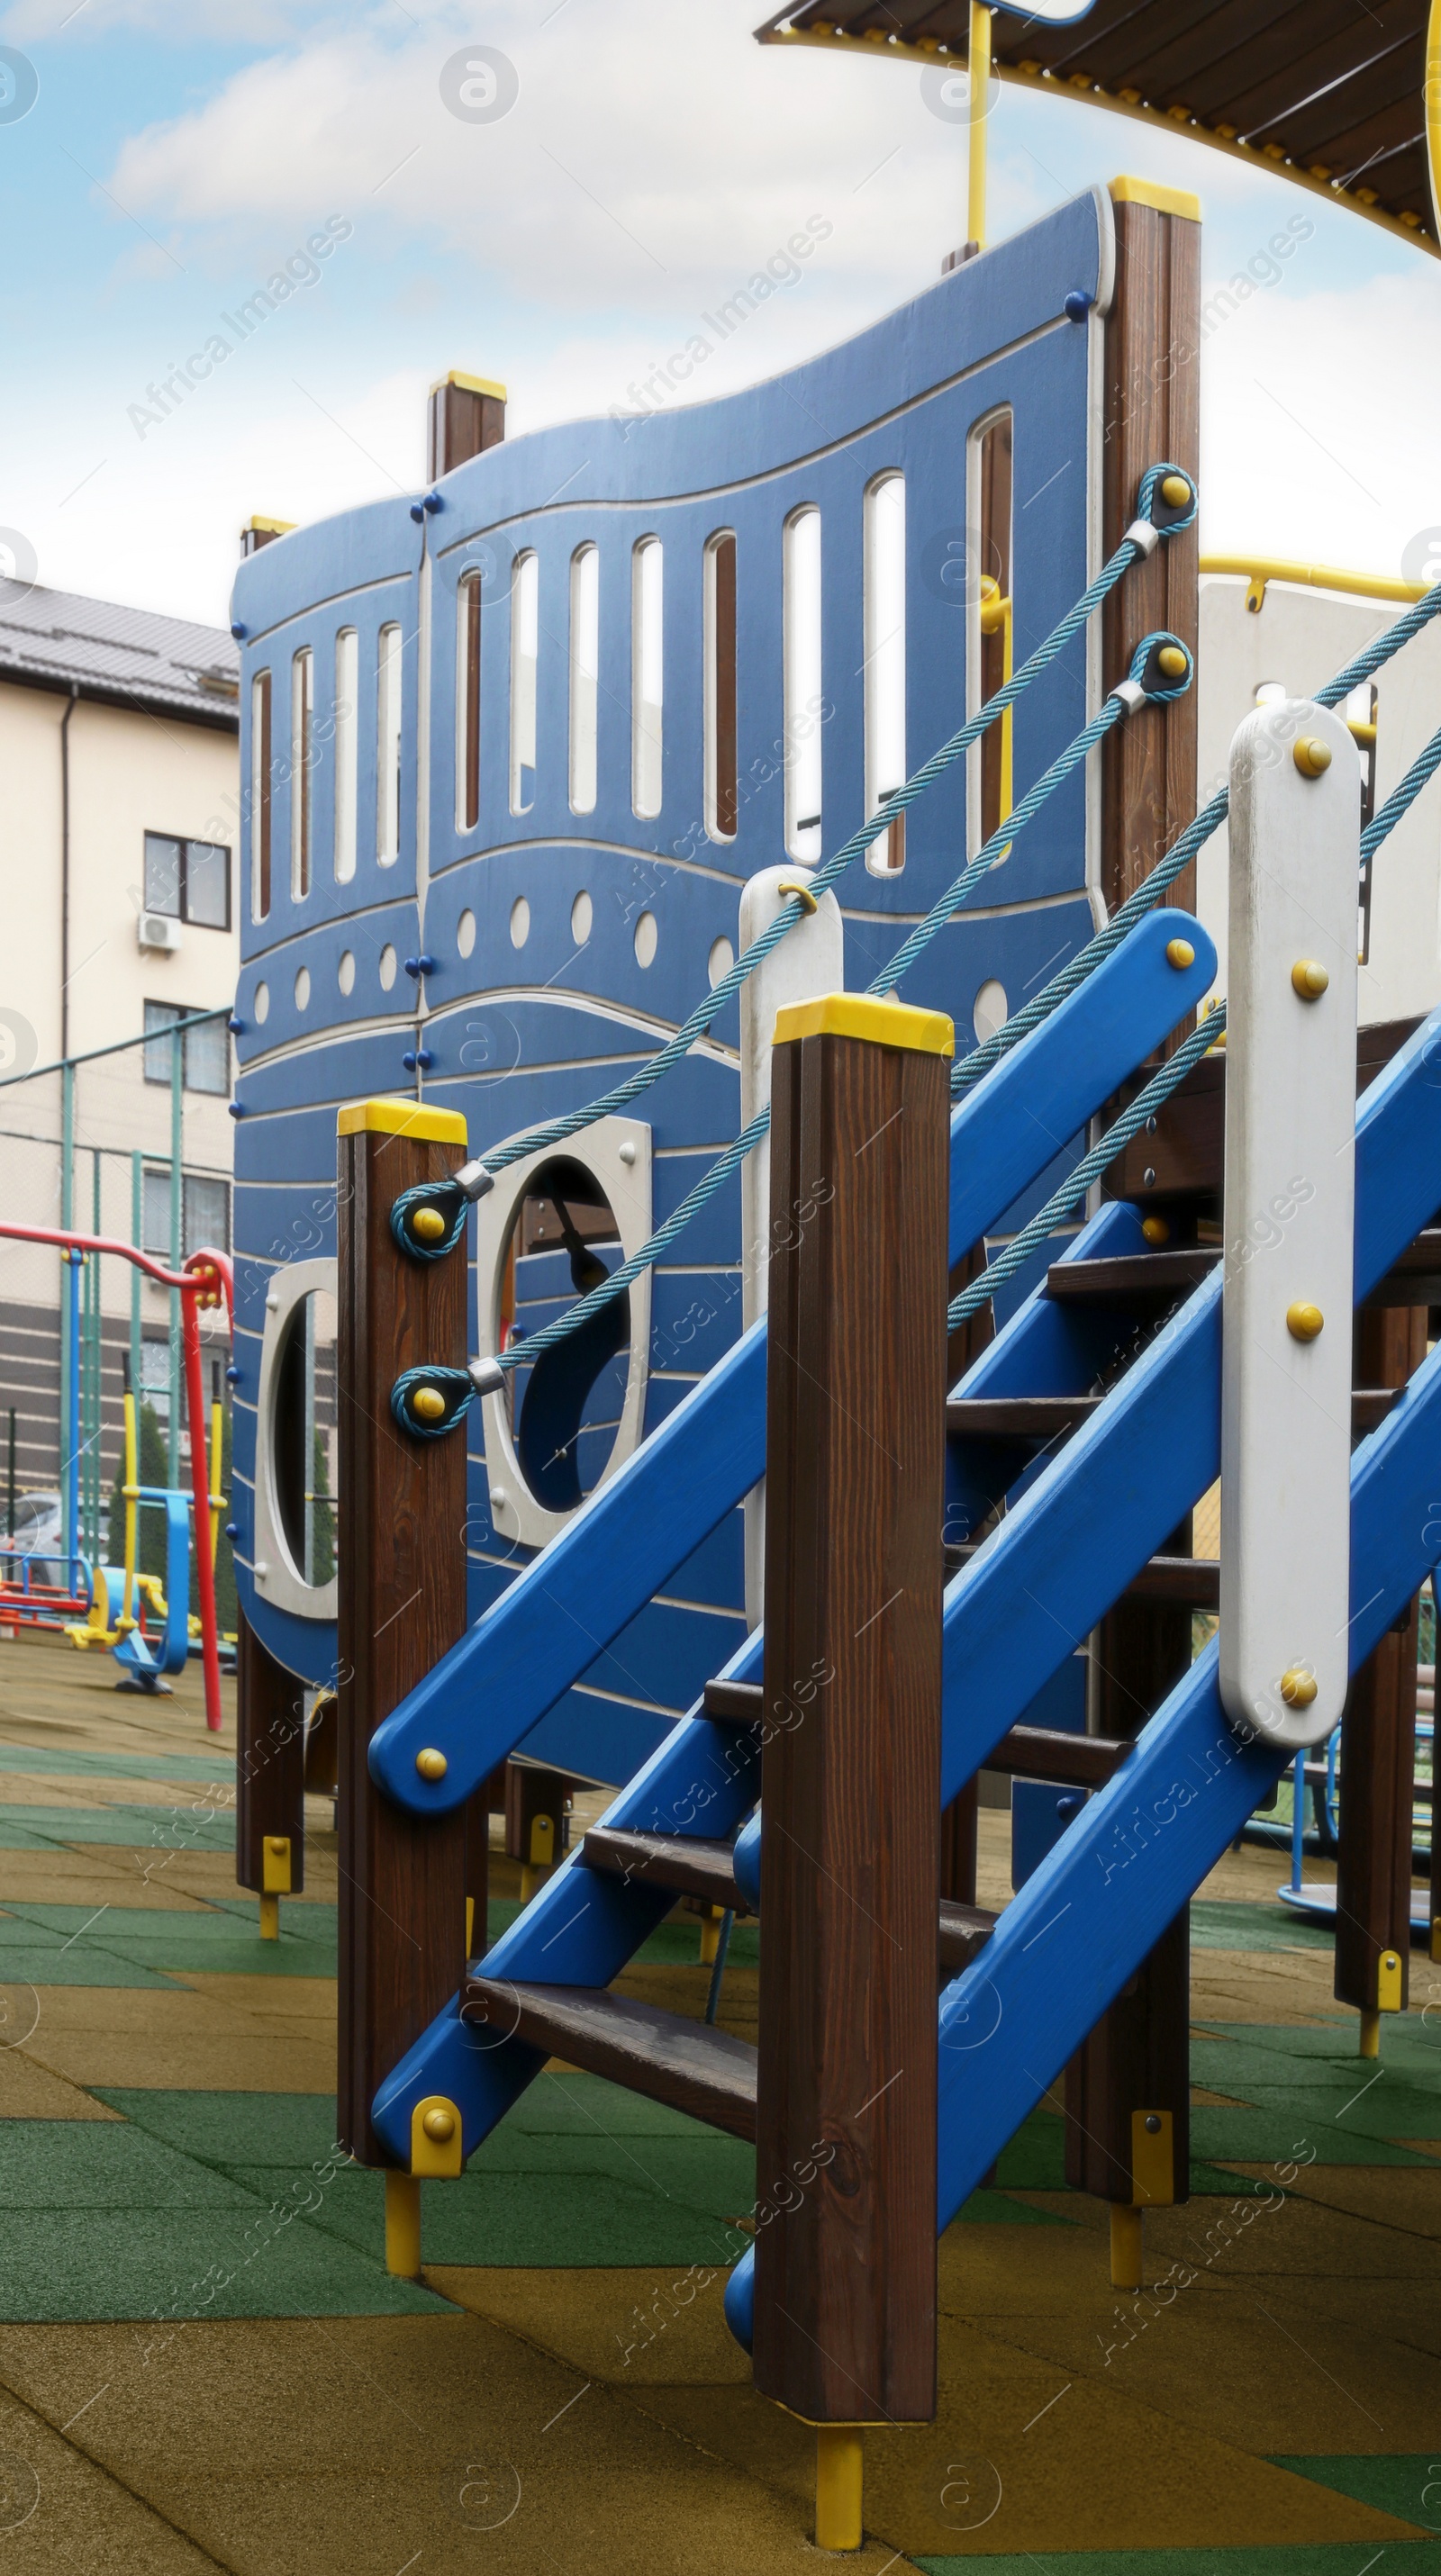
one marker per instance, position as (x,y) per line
(590,2102)
(1406,2484)
(293,2131)
(65,1762)
(1035,2159)
(301,1919)
(138,1828)
(996,2209)
(33,1963)
(1311,2558)
(66,2266)
(1219,1925)
(98,2165)
(1272,2133)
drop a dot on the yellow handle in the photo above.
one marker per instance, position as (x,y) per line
(132,1516)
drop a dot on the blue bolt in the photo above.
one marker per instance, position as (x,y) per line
(417,512)
(236,1028)
(232,1529)
(232,1377)
(235,1109)
(432,502)
(1078,304)
(239,632)
(422,1057)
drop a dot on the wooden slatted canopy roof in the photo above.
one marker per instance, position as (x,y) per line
(1328,92)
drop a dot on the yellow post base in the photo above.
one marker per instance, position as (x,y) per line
(1127,2246)
(531,1881)
(402,2226)
(710,1924)
(270,1918)
(840,2462)
(1370,2034)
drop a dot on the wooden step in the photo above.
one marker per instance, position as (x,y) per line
(666,2056)
(1033,1420)
(1054,1753)
(1192,1581)
(965,1929)
(733,1703)
(1139,1280)
(690,1866)
(1414,1280)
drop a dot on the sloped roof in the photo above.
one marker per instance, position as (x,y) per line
(125,657)
(1327,92)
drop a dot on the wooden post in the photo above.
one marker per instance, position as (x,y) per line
(846,2128)
(401,1562)
(465,416)
(534,1822)
(269,1778)
(1134,2065)
(1378,1755)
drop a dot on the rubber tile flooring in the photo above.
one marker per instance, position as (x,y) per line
(204,2364)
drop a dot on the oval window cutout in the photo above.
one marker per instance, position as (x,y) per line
(303,1439)
(565,1412)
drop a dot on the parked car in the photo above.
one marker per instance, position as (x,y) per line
(37,1531)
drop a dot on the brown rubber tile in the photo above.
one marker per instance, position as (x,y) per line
(636,2328)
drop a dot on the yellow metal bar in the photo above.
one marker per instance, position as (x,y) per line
(402,2225)
(840,2469)
(1370,2035)
(979,67)
(1259,569)
(1127,2246)
(132,1515)
(270,1918)
(217,1499)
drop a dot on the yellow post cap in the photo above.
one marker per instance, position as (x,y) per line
(867,1015)
(262,527)
(415,1118)
(470,385)
(1149,192)
(1304,1321)
(1309,979)
(1311,756)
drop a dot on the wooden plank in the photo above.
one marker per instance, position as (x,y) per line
(1152,416)
(401,1564)
(1185,1153)
(666,2056)
(846,2134)
(1378,1739)
(687,1864)
(965,1929)
(460,423)
(269,1761)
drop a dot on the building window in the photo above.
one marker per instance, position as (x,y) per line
(206,1049)
(155,1354)
(260,796)
(647,674)
(188,880)
(387,751)
(204,1217)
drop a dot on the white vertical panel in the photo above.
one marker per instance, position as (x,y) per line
(387,746)
(810,960)
(302,753)
(584,672)
(1290,1161)
(347,681)
(647,674)
(801,615)
(885,639)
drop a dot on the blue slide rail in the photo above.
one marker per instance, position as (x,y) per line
(479,1702)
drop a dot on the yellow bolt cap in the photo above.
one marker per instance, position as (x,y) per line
(1173,661)
(439,2125)
(1298,1688)
(1179,952)
(428,1223)
(1311,756)
(1309,979)
(1304,1321)
(427,1403)
(1175,491)
(275,1843)
(431,1765)
(1155,1229)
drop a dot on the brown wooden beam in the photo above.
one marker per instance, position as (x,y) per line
(401,1564)
(845,2284)
(269,1768)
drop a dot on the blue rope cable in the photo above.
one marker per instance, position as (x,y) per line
(972,1068)
(1402,798)
(1073,1189)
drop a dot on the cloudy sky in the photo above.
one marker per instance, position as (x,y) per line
(179,153)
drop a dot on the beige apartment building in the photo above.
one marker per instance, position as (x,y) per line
(119,861)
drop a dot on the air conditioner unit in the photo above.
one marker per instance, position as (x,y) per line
(157,930)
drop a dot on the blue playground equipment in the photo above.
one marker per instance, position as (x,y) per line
(504,902)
